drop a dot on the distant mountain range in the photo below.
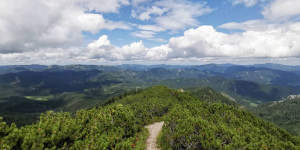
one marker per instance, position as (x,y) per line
(43,80)
(73,87)
(203,119)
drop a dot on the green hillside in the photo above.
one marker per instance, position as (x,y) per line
(211,96)
(101,82)
(285,114)
(190,123)
(244,92)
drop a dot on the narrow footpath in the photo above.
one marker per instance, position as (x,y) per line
(154,130)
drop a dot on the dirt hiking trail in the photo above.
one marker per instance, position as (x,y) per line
(154,130)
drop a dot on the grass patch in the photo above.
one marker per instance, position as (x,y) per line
(141,139)
(159,140)
(40,98)
(253,104)
(161,143)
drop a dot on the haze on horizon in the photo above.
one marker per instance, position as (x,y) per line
(149,31)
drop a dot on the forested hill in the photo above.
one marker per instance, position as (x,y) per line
(190,123)
(284,113)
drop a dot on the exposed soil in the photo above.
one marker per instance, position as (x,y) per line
(154,130)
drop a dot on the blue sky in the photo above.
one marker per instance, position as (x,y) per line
(223,12)
(145,31)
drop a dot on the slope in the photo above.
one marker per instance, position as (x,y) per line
(238,89)
(284,113)
(190,123)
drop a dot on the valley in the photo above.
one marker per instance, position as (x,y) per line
(68,89)
(190,123)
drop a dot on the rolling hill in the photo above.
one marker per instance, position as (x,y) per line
(190,123)
(283,113)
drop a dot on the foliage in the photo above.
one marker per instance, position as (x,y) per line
(107,128)
(141,139)
(119,124)
(284,113)
(209,95)
(113,126)
(73,87)
(238,89)
(218,126)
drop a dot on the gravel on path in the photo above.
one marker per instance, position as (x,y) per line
(154,130)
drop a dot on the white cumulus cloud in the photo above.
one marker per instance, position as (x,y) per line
(203,44)
(33,24)
(168,15)
(151,11)
(205,41)
(279,10)
(172,14)
(103,49)
(52,31)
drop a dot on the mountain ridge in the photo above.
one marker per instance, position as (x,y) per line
(118,125)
